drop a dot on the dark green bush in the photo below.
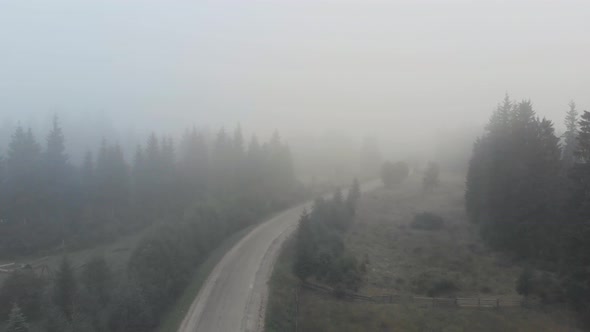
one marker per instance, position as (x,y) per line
(442,287)
(428,221)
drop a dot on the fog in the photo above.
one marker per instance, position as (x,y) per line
(205,165)
(407,72)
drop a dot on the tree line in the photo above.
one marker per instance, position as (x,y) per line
(46,201)
(188,196)
(529,191)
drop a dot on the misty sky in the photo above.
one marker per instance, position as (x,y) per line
(379,67)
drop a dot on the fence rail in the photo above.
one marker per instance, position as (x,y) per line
(451,302)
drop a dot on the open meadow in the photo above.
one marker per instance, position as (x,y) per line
(447,260)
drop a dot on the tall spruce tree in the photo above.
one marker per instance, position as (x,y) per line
(56,159)
(513,178)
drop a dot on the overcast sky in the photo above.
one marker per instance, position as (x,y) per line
(360,65)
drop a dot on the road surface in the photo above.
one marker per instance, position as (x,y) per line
(233,298)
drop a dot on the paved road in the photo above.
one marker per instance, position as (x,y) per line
(233,299)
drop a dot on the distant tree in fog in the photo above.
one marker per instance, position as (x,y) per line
(583,139)
(431,176)
(569,137)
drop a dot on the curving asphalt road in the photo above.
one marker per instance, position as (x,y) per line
(233,299)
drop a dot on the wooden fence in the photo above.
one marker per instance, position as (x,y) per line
(450,302)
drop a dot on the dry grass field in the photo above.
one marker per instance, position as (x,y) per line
(408,261)
(405,260)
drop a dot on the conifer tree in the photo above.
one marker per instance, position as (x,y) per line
(56,159)
(583,147)
(569,137)
(56,171)
(17,321)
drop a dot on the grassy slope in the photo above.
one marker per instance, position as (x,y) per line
(407,261)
